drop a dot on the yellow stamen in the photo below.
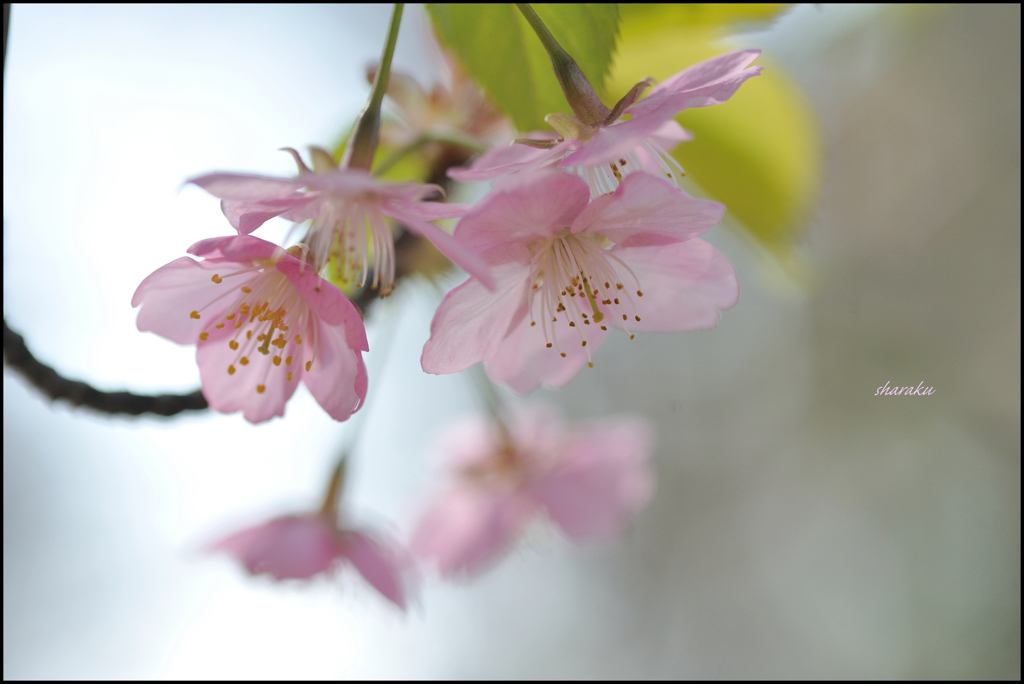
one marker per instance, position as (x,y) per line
(204,335)
(233,344)
(244,360)
(260,389)
(308,364)
(231,370)
(277,360)
(194,314)
(216,278)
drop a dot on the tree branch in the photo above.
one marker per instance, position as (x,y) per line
(55,386)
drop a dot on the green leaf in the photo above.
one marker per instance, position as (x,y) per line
(723,17)
(501,52)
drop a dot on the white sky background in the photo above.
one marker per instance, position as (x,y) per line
(781,542)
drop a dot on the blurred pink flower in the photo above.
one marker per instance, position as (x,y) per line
(348,209)
(301,546)
(454,108)
(233,302)
(567,269)
(604,153)
(589,482)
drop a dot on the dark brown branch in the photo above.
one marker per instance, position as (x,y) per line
(55,386)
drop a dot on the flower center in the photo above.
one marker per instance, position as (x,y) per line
(353,232)
(504,470)
(649,157)
(573,284)
(268,317)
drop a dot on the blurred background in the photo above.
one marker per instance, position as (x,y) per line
(801,527)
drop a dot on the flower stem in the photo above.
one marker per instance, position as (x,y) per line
(363,145)
(491,400)
(335,488)
(585,103)
(332,498)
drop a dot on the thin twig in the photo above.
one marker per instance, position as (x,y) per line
(55,386)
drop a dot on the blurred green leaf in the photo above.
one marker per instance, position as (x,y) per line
(724,17)
(502,53)
(759,153)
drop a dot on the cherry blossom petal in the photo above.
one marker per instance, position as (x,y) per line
(467,442)
(466,528)
(427,211)
(684,285)
(645,210)
(247,187)
(228,392)
(651,114)
(512,158)
(722,68)
(471,321)
(295,547)
(523,208)
(379,565)
(172,292)
(618,140)
(337,377)
(330,304)
(246,216)
(457,251)
(355,182)
(407,93)
(242,248)
(601,481)
(670,134)
(540,435)
(706,96)
(305,212)
(523,361)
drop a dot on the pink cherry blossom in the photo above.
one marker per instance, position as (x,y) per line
(261,321)
(604,153)
(302,546)
(348,208)
(567,270)
(589,482)
(455,108)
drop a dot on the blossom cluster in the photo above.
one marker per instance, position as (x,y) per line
(583,230)
(499,476)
